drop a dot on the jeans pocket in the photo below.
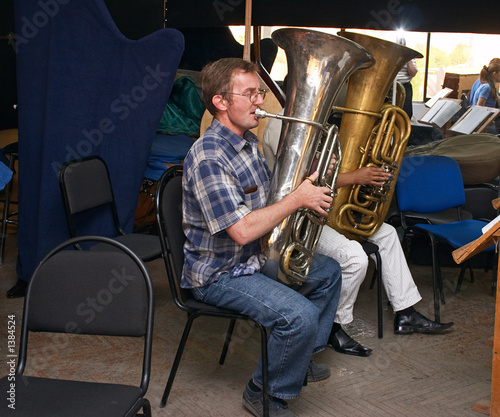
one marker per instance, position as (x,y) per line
(198,293)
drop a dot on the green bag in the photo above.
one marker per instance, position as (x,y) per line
(183,111)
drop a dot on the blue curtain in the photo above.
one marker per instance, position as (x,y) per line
(83,89)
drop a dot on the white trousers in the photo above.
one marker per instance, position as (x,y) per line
(396,276)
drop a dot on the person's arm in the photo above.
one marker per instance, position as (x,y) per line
(412,69)
(362,176)
(483,93)
(259,222)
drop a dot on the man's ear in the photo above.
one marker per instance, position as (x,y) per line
(219,102)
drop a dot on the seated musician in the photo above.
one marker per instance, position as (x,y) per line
(225,185)
(396,276)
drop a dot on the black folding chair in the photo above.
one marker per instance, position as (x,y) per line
(55,303)
(169,217)
(87,192)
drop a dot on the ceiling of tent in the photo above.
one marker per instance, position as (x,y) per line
(410,15)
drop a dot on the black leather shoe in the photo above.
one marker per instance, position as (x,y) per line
(416,323)
(343,343)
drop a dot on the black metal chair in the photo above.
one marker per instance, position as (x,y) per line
(169,217)
(87,192)
(55,303)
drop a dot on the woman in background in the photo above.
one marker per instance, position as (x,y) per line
(484,92)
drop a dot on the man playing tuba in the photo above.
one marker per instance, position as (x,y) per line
(225,185)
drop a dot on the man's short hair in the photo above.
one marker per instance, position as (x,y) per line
(216,78)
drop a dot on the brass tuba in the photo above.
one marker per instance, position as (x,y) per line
(371,134)
(318,65)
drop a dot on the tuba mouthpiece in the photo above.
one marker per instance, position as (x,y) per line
(261,114)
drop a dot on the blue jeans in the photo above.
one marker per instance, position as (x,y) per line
(299,326)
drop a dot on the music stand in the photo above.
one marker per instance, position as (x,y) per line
(441,113)
(462,254)
(475,120)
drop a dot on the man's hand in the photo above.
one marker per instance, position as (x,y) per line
(331,167)
(314,197)
(259,222)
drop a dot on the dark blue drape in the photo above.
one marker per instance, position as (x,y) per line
(83,89)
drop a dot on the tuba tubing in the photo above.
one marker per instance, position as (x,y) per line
(371,134)
(318,66)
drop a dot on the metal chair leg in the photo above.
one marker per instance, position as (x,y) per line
(379,296)
(229,334)
(177,360)
(264,361)
(373,249)
(436,279)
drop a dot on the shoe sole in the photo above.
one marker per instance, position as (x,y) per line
(409,330)
(251,408)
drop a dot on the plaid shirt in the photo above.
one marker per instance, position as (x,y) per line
(225,178)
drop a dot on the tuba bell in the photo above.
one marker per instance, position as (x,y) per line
(318,65)
(371,134)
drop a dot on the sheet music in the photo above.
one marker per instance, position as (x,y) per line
(490,224)
(441,112)
(441,94)
(475,116)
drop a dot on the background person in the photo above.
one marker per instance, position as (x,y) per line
(405,75)
(484,91)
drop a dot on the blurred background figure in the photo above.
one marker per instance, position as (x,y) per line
(405,76)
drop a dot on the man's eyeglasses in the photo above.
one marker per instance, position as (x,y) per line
(252,97)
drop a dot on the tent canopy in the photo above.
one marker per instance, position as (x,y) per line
(410,15)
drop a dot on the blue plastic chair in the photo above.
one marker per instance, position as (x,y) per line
(429,184)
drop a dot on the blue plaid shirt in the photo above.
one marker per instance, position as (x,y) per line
(225,178)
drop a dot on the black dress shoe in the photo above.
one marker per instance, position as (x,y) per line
(416,323)
(343,343)
(18,290)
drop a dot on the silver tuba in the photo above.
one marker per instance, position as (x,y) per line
(318,66)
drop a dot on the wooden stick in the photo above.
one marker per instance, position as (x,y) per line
(248,30)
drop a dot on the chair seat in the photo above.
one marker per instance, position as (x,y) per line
(207,309)
(440,217)
(457,234)
(146,247)
(44,397)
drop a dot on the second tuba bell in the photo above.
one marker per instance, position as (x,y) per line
(371,134)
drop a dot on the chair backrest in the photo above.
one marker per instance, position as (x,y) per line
(117,281)
(86,188)
(429,183)
(169,217)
